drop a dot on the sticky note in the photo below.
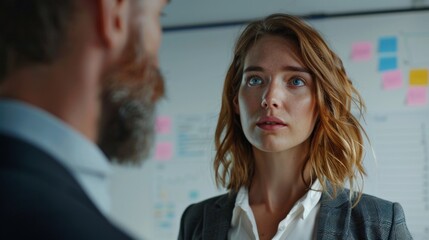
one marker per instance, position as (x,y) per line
(163,151)
(392,79)
(193,195)
(165,225)
(387,45)
(418,77)
(361,51)
(387,63)
(417,96)
(163,125)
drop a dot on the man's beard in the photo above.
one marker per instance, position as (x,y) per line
(129,95)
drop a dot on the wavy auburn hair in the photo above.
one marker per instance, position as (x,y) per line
(336,150)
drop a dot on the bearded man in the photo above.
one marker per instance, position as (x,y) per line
(79,81)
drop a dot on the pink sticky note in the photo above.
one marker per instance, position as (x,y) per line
(392,79)
(417,96)
(361,51)
(163,125)
(163,151)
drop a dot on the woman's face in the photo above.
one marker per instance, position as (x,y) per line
(276,99)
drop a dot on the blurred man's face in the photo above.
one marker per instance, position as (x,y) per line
(131,91)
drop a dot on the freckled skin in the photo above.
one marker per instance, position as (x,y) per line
(277,76)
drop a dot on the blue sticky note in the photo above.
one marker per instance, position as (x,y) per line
(387,63)
(387,45)
(193,194)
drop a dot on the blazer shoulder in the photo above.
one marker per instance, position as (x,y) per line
(376,201)
(382,216)
(382,207)
(202,217)
(195,210)
(376,208)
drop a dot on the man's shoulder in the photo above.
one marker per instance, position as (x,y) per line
(25,162)
(33,184)
(38,193)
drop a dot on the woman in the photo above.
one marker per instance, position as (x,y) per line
(287,144)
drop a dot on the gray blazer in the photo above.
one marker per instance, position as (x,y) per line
(372,218)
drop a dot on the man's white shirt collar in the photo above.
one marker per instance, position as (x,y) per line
(79,155)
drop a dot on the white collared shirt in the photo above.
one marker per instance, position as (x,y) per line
(299,224)
(75,152)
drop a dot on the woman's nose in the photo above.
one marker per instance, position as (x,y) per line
(272,96)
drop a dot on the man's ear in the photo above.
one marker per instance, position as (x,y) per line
(113,23)
(236,105)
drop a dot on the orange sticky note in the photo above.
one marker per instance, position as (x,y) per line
(417,96)
(418,77)
(163,151)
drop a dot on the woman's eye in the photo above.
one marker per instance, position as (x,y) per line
(297,82)
(254,81)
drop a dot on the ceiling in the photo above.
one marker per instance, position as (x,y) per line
(181,13)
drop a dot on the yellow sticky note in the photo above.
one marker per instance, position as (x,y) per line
(418,77)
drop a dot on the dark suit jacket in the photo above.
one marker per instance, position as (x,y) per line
(41,200)
(372,218)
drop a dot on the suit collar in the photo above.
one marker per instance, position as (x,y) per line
(333,219)
(217,217)
(329,201)
(334,215)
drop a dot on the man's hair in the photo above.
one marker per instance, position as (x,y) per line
(336,149)
(31,31)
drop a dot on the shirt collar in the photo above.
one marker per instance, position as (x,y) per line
(306,202)
(241,204)
(311,198)
(52,135)
(38,127)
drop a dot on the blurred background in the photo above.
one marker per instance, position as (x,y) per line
(199,12)
(384,45)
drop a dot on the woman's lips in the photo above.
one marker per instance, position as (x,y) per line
(270,123)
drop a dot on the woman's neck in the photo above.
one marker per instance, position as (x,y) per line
(280,179)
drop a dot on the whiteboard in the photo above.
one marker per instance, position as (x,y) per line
(149,200)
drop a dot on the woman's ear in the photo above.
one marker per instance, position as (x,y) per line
(236,105)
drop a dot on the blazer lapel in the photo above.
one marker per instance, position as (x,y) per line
(333,220)
(217,218)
